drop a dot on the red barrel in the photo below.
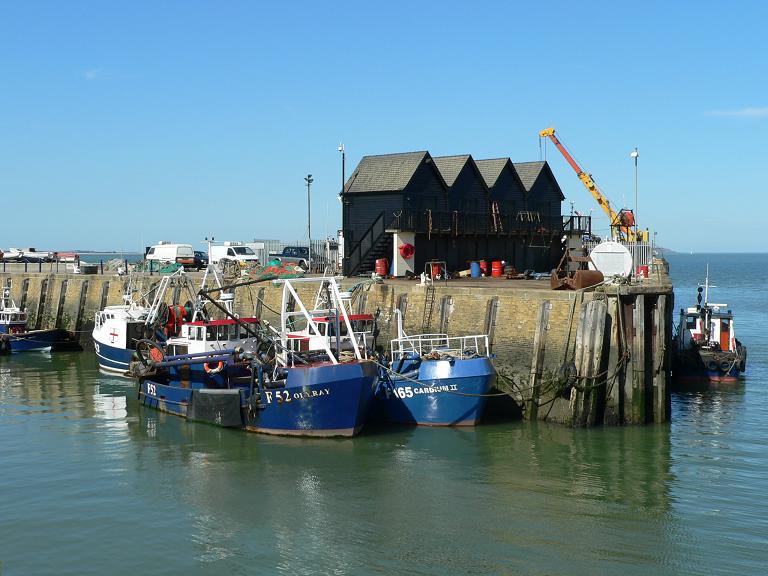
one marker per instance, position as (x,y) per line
(642,271)
(497,269)
(382,267)
(484,267)
(435,271)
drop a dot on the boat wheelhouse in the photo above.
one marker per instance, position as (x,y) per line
(705,347)
(13,320)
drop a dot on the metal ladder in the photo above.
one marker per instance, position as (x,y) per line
(429,306)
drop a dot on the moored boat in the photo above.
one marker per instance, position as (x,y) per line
(15,337)
(181,328)
(705,348)
(435,380)
(282,387)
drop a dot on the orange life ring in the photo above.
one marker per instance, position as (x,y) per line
(208,370)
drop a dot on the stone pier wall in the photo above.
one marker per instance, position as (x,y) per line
(630,388)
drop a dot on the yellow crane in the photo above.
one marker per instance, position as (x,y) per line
(623,221)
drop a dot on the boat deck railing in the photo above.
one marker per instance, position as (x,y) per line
(459,347)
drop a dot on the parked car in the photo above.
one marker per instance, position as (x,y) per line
(292,255)
(233,252)
(165,251)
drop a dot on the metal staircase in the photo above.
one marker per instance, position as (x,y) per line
(375,243)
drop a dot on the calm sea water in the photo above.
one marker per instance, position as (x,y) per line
(92,484)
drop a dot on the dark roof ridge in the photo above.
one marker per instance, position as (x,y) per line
(396,154)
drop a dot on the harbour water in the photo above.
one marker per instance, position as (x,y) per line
(92,484)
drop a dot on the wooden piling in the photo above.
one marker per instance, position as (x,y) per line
(639,415)
(613,405)
(660,367)
(589,391)
(537,365)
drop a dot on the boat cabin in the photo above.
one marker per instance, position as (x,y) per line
(210,335)
(707,328)
(120,326)
(13,320)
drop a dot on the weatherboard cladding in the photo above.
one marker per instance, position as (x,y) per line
(504,184)
(427,189)
(544,193)
(528,172)
(467,190)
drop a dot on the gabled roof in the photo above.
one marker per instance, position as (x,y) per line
(491,170)
(529,172)
(450,166)
(385,172)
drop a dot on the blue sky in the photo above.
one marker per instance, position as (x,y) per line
(125,123)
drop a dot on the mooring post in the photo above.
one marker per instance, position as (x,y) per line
(537,366)
(586,395)
(612,415)
(639,415)
(660,368)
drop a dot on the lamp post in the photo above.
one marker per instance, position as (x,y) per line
(634,156)
(308,179)
(343,204)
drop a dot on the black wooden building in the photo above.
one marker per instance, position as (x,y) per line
(459,210)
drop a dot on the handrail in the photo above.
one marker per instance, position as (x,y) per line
(460,347)
(458,223)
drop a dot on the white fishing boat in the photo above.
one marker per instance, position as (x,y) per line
(187,328)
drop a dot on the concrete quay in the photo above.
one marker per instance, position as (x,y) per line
(579,358)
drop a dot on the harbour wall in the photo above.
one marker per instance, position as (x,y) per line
(580,358)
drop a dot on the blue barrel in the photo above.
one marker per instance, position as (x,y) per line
(474,269)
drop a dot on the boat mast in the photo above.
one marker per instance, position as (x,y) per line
(706,288)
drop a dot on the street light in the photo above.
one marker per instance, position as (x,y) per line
(308,179)
(634,156)
(343,206)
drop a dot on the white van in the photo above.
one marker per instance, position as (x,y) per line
(233,252)
(165,251)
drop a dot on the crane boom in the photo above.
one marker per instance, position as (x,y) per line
(624,220)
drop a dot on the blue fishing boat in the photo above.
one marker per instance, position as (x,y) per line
(282,387)
(435,380)
(15,337)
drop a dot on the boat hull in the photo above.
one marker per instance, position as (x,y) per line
(36,341)
(447,393)
(322,401)
(706,366)
(112,358)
